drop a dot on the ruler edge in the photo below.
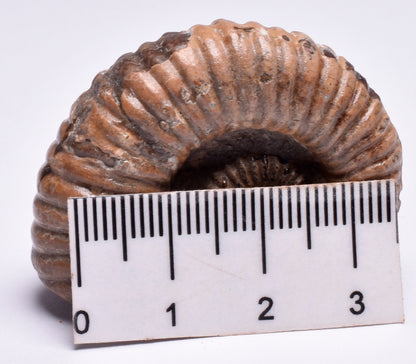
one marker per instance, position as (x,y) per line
(243,188)
(185,337)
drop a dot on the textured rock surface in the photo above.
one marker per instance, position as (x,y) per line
(219,106)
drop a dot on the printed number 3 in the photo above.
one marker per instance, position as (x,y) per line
(359,302)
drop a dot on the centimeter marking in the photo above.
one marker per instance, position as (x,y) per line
(248,212)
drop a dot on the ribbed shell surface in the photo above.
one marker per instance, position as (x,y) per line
(138,123)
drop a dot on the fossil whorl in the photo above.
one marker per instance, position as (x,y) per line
(218,106)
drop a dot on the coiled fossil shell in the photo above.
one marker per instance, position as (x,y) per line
(218,106)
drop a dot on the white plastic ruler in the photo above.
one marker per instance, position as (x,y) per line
(234,261)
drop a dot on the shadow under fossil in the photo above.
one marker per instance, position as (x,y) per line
(54,305)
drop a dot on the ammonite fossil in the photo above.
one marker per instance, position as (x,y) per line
(224,105)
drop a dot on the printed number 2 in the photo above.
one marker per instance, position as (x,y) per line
(263,315)
(172,309)
(359,302)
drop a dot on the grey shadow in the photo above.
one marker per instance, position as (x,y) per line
(54,305)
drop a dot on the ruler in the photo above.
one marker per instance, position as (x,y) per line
(234,261)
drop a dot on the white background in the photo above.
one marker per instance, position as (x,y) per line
(49,53)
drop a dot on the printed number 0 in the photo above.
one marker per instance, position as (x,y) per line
(359,302)
(86,320)
(263,315)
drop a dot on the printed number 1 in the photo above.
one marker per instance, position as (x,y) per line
(172,309)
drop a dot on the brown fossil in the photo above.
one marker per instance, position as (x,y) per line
(218,106)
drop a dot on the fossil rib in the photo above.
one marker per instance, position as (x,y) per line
(217,106)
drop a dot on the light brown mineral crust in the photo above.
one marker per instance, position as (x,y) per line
(219,106)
